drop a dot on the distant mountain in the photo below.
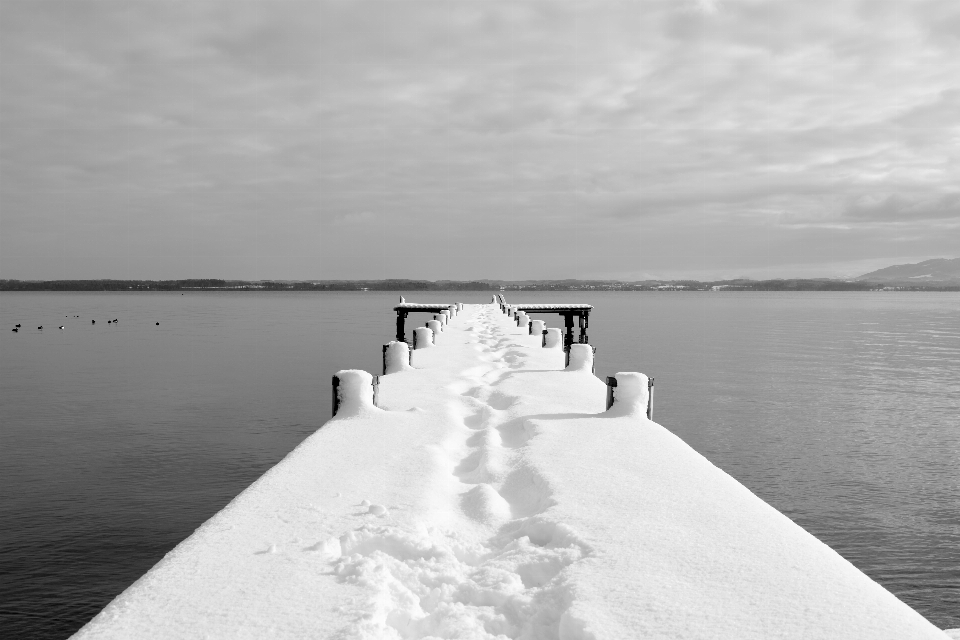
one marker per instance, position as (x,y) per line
(940,270)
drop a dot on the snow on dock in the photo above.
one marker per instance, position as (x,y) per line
(491,496)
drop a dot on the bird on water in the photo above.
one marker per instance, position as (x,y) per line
(15,330)
(40,328)
(18,325)
(93,322)
(61,326)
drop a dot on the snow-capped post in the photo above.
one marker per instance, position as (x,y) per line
(423,337)
(552,339)
(445,317)
(580,357)
(354,389)
(453,310)
(436,327)
(631,393)
(537,327)
(396,357)
(522,320)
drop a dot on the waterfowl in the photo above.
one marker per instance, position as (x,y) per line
(158,324)
(15,330)
(93,322)
(40,328)
(61,326)
(18,325)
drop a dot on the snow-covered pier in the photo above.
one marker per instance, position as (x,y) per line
(491,495)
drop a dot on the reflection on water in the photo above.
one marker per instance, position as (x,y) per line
(839,409)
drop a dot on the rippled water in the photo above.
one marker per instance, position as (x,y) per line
(117,440)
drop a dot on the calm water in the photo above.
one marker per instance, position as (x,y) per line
(118,440)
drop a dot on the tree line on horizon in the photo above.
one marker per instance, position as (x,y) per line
(793,284)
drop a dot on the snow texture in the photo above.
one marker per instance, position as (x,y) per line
(492,497)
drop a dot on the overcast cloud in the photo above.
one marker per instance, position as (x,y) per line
(456,139)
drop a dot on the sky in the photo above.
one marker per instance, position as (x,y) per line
(462,139)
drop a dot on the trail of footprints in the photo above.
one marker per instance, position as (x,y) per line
(446,584)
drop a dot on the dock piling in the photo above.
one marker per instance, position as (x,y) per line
(336,395)
(577,356)
(611,385)
(650,399)
(552,339)
(633,392)
(397,356)
(423,337)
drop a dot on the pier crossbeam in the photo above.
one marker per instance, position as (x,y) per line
(405,308)
(568,311)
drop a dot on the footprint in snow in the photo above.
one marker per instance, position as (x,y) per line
(378,510)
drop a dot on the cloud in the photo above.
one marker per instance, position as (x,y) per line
(757,123)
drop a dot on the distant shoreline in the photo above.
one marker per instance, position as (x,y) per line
(796,284)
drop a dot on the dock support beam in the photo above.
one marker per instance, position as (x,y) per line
(401,334)
(584,321)
(568,333)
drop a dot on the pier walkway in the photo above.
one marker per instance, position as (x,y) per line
(492,496)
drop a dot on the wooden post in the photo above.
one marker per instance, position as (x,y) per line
(544,343)
(650,399)
(376,391)
(568,325)
(401,316)
(583,327)
(336,394)
(611,385)
(385,347)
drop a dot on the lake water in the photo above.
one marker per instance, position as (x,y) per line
(842,410)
